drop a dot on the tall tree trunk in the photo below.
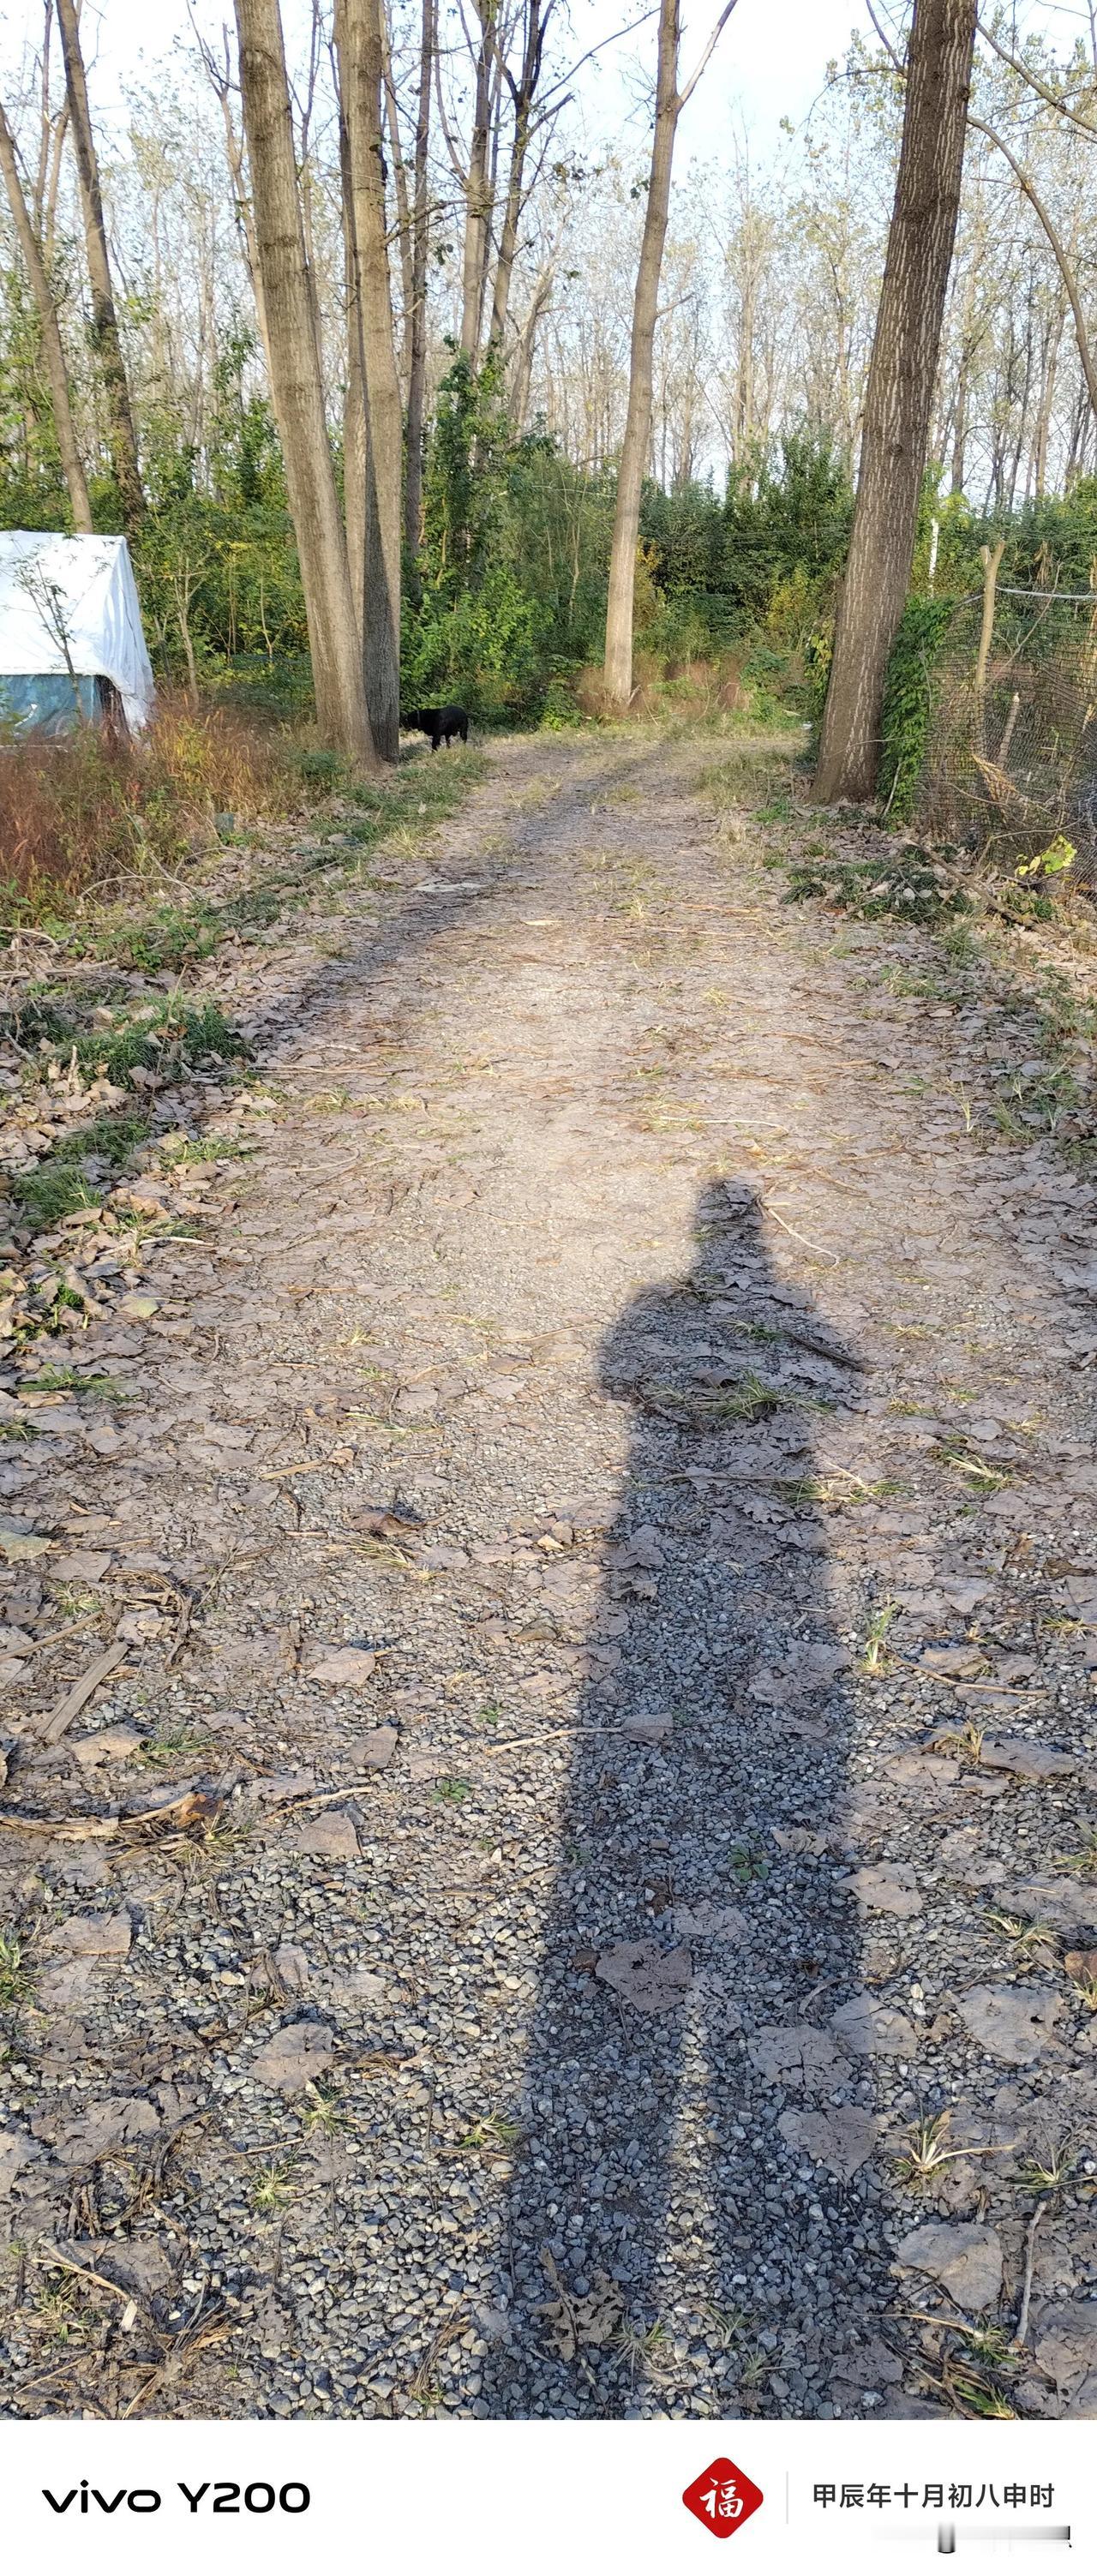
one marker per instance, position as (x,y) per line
(417,318)
(355,429)
(634,449)
(105,333)
(52,351)
(900,393)
(523,92)
(478,191)
(334,646)
(403,199)
(358,41)
(508,238)
(220,79)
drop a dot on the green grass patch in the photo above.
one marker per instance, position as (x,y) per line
(78,1170)
(58,1381)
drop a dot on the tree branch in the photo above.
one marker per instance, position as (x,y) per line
(1034,82)
(1065,270)
(978,125)
(685,95)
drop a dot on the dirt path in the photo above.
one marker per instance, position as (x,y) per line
(624,1330)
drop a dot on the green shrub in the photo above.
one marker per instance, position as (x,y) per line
(908,702)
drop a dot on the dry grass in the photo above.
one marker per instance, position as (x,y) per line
(695,689)
(79,816)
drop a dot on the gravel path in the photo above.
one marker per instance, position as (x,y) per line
(621,1434)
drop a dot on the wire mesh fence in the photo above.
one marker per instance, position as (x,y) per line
(1011,742)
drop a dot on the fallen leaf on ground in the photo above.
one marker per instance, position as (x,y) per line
(651,1979)
(333,1836)
(842,2139)
(967,2261)
(343,1667)
(294,2057)
(572,2322)
(1015,2023)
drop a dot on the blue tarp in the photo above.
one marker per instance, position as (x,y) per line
(45,704)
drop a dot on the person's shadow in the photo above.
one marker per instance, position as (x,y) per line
(673,2241)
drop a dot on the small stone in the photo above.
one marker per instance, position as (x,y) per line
(647,1730)
(967,2261)
(1015,2023)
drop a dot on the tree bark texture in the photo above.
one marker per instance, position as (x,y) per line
(105,333)
(900,394)
(417,317)
(361,61)
(630,473)
(334,646)
(355,433)
(52,352)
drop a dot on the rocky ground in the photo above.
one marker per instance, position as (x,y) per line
(549,1855)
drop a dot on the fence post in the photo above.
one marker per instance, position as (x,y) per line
(990,558)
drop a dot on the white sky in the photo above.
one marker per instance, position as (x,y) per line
(771,61)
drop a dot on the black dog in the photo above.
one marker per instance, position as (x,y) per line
(439,724)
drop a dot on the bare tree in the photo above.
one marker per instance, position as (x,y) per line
(361,71)
(52,350)
(522,87)
(900,392)
(105,332)
(669,102)
(477,178)
(334,642)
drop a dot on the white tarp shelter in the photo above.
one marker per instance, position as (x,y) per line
(68,606)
